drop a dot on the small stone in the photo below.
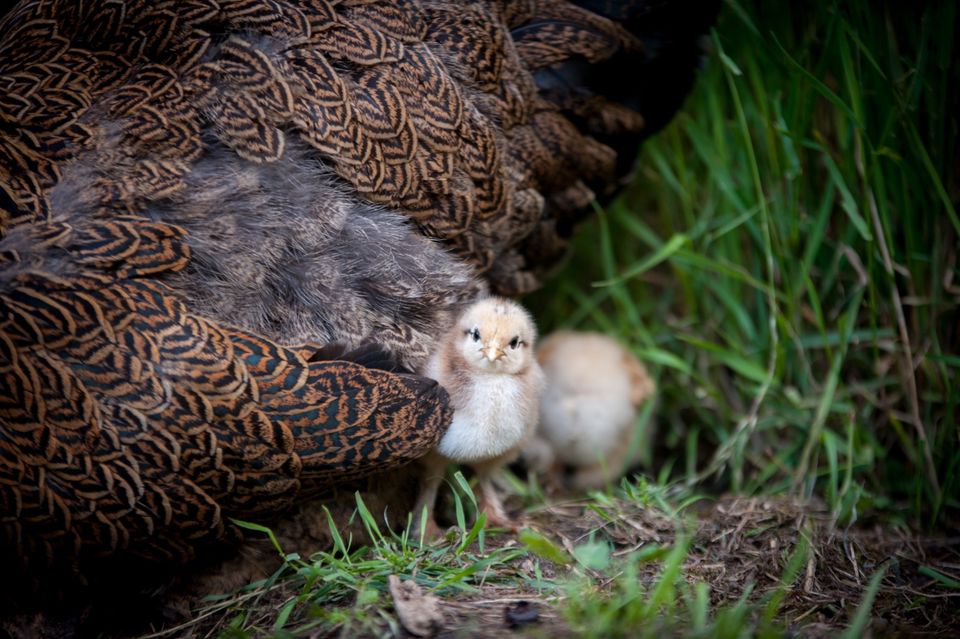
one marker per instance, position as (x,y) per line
(521,613)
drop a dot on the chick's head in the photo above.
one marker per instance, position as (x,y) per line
(496,335)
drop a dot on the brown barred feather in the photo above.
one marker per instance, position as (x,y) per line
(192,192)
(118,405)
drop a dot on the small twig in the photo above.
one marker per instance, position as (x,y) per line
(920,593)
(810,577)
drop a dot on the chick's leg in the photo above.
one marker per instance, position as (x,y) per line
(434,467)
(490,503)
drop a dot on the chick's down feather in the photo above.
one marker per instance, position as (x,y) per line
(192,190)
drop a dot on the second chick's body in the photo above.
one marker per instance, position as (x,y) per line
(595,388)
(486,363)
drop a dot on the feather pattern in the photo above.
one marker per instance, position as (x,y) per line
(196,196)
(131,424)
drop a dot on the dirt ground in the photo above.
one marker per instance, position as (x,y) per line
(739,541)
(734,542)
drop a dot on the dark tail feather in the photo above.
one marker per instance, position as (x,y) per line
(651,80)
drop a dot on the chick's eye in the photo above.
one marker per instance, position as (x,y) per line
(515,342)
(474,333)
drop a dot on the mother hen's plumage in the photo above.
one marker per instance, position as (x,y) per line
(187,185)
(131,425)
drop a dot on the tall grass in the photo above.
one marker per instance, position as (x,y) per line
(787,260)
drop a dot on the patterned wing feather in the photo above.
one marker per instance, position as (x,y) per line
(447,112)
(128,424)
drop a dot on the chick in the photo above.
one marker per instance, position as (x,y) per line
(595,388)
(486,362)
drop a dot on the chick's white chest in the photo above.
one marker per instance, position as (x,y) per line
(491,417)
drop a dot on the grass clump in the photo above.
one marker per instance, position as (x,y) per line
(786,261)
(343,591)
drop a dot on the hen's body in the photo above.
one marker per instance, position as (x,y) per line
(184,185)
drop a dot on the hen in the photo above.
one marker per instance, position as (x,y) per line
(196,195)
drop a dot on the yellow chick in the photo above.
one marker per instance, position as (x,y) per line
(595,388)
(486,363)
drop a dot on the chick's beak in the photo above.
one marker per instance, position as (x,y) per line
(492,351)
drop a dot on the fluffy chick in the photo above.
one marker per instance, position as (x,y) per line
(487,364)
(595,388)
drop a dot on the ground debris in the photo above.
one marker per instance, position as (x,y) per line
(734,543)
(740,542)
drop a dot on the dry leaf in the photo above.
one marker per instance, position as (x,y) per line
(419,613)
